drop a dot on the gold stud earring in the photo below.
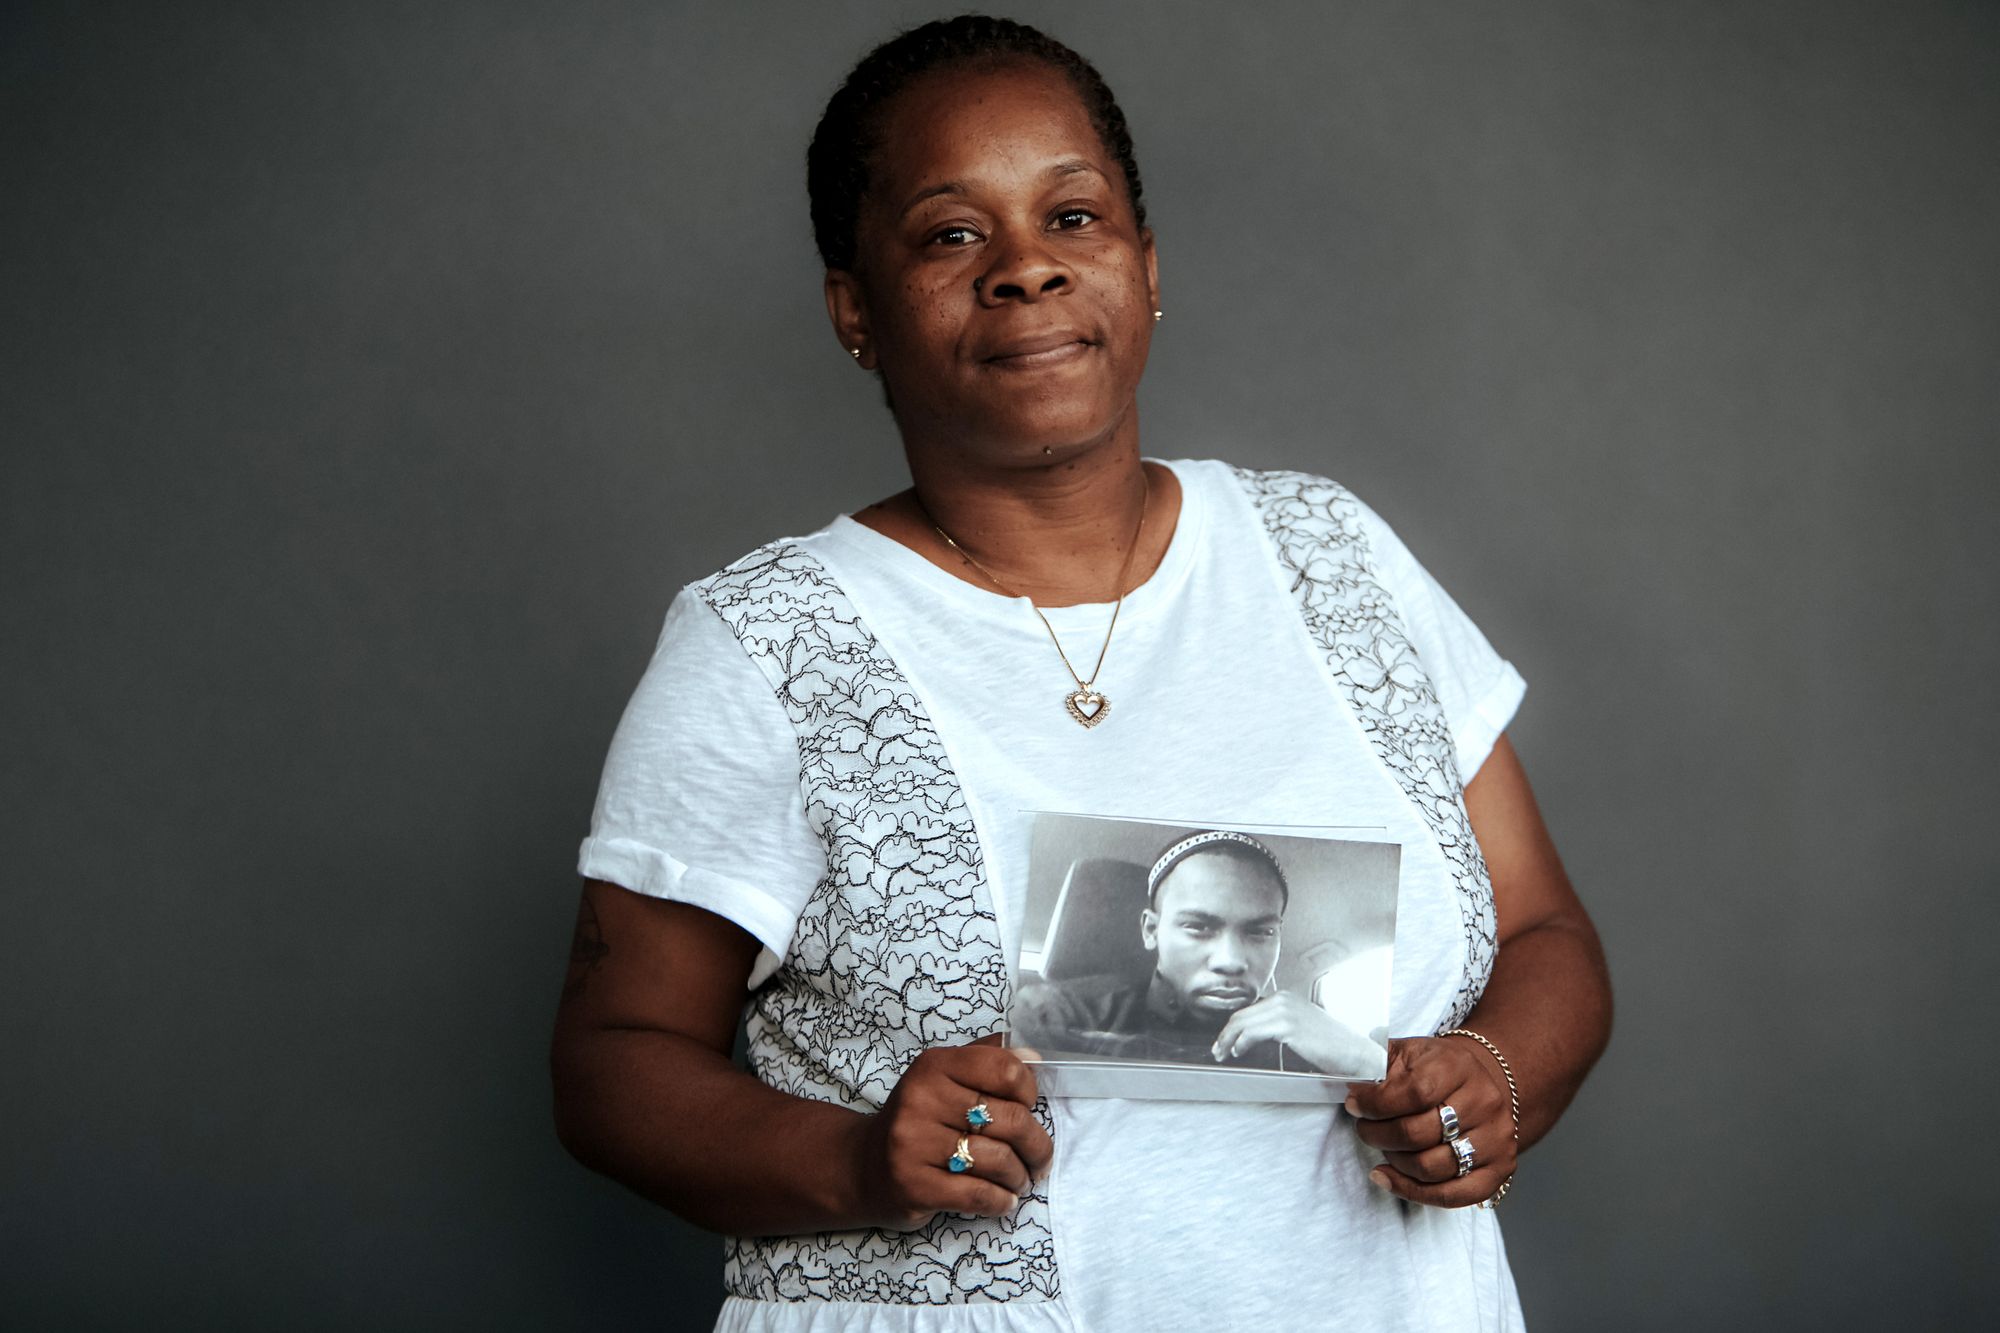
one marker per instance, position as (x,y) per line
(1159,315)
(856,351)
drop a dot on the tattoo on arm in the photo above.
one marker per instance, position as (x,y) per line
(586,950)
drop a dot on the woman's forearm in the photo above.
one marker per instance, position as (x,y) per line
(645,1092)
(1547,1006)
(680,1124)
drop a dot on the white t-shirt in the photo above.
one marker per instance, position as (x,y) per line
(1166,1214)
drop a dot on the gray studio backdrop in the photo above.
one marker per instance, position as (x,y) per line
(374,374)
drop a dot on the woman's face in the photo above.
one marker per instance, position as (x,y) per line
(1001,283)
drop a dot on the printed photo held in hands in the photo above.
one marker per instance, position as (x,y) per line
(1204,961)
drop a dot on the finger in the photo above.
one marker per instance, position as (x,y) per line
(916,1179)
(1253,1029)
(1037,1149)
(1461,1192)
(1420,1076)
(974,1197)
(992,1160)
(1409,1133)
(986,1069)
(946,1082)
(1011,1123)
(1225,1040)
(1270,1019)
(1439,1164)
(1431,1166)
(1247,1042)
(956,1102)
(964,1194)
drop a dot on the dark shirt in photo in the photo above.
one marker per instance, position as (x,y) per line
(1126,1018)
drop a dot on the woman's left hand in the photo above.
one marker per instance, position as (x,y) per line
(1400,1117)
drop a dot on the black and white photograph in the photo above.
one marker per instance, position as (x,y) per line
(1203,961)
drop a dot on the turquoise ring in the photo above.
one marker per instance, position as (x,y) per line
(962,1159)
(979,1117)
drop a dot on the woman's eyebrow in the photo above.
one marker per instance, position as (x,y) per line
(931,192)
(1072,167)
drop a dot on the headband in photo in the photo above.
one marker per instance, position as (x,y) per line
(1194,842)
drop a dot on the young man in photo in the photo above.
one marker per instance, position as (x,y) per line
(1213,923)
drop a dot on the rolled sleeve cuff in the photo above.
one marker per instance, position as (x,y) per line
(1491,714)
(658,874)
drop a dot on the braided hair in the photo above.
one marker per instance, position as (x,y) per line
(844,145)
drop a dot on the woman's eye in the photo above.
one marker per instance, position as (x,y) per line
(1071,218)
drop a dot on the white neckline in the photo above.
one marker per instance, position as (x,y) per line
(900,561)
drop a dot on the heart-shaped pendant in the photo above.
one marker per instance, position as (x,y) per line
(1087,706)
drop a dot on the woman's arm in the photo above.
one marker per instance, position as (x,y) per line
(1546,1006)
(646,1093)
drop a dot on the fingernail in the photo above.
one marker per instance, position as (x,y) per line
(1380,1177)
(1353,1107)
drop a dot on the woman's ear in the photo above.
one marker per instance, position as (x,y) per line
(849,313)
(1152,266)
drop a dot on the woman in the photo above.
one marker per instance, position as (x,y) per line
(819,798)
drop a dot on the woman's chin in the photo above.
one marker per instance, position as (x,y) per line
(1044,436)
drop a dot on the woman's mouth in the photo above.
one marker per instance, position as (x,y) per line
(1040,351)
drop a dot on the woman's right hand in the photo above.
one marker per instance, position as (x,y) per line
(907,1146)
(646,1093)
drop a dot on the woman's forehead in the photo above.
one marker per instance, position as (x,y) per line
(981,125)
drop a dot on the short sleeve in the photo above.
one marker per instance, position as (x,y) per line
(700,799)
(1480,690)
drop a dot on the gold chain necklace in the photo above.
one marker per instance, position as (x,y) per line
(1085,703)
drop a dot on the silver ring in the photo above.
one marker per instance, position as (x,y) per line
(1449,1119)
(1462,1148)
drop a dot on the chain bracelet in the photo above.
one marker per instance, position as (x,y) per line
(1513,1102)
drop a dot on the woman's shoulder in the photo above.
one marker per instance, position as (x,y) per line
(1307,511)
(1276,485)
(1265,486)
(1291,503)
(779,568)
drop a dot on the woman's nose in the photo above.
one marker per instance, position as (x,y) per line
(1026,271)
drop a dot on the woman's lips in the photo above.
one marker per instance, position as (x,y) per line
(1040,352)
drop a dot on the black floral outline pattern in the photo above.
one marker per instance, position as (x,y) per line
(1316,526)
(897,950)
